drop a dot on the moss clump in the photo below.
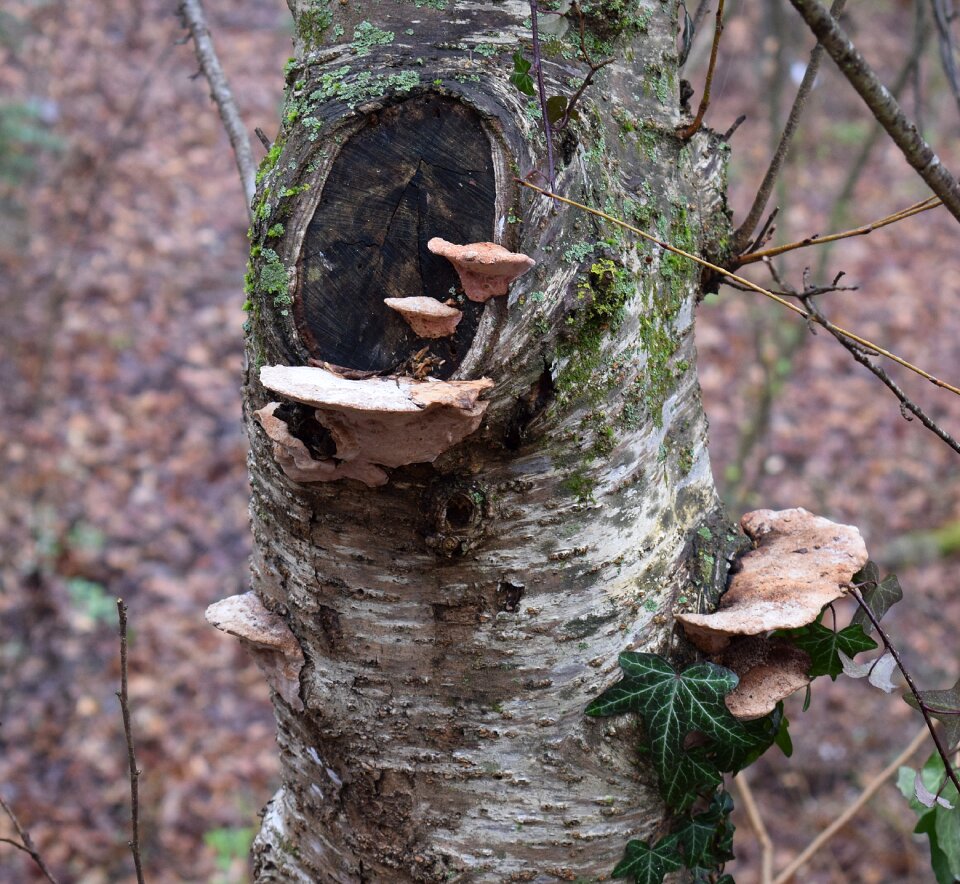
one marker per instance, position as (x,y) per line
(314,21)
(270,160)
(273,278)
(603,294)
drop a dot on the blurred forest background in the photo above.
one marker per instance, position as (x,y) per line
(122,246)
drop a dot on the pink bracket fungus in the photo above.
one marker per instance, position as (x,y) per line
(800,564)
(267,637)
(769,670)
(428,317)
(377,422)
(485,269)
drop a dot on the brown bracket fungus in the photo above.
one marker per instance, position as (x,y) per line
(379,422)
(428,317)
(800,564)
(769,669)
(267,637)
(485,269)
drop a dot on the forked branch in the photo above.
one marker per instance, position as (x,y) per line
(25,843)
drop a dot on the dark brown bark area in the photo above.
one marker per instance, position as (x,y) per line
(416,170)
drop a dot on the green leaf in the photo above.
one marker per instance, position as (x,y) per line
(941,825)
(879,596)
(945,707)
(782,739)
(675,705)
(521,74)
(707,838)
(823,645)
(556,108)
(646,864)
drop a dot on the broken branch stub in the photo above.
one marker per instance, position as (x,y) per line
(379,422)
(800,564)
(267,637)
(428,317)
(485,268)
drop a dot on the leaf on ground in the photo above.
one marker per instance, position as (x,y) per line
(648,865)
(945,707)
(824,646)
(879,595)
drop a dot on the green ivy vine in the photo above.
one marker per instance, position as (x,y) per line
(691,740)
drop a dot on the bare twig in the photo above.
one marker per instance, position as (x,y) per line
(881,103)
(743,233)
(852,809)
(942,751)
(906,404)
(759,829)
(194,19)
(542,91)
(947,50)
(752,286)
(25,843)
(691,130)
(134,842)
(923,206)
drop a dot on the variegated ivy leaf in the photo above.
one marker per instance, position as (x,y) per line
(648,865)
(675,705)
(925,796)
(824,646)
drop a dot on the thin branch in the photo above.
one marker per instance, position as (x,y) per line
(752,286)
(194,19)
(691,130)
(906,404)
(759,829)
(924,709)
(134,842)
(852,809)
(743,233)
(881,103)
(923,206)
(542,91)
(947,49)
(26,842)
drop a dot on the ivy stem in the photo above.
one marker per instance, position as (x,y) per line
(541,91)
(924,711)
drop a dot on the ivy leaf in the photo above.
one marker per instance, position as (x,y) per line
(556,108)
(649,865)
(879,596)
(521,74)
(940,824)
(824,646)
(945,707)
(782,739)
(706,839)
(674,705)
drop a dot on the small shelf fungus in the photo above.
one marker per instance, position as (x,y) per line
(485,269)
(428,317)
(374,423)
(800,563)
(267,637)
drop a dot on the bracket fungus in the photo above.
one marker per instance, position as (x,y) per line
(485,268)
(267,637)
(375,422)
(800,563)
(428,317)
(769,669)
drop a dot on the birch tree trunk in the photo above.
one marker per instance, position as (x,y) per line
(455,620)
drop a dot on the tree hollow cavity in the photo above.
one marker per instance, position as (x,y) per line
(416,170)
